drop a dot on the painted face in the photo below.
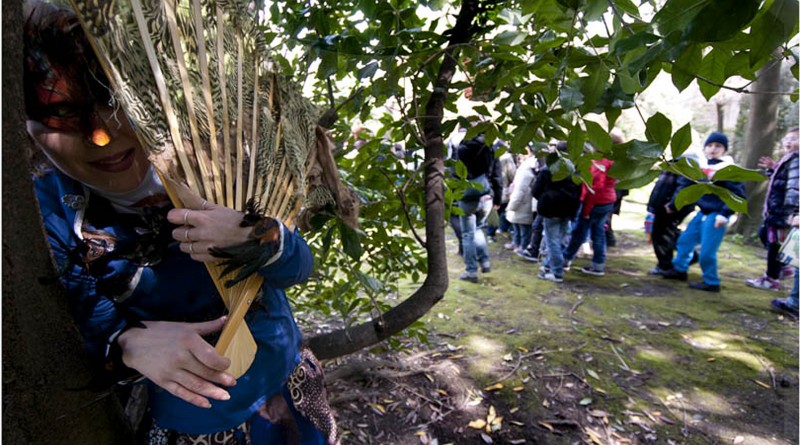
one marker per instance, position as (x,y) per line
(790,142)
(90,142)
(714,150)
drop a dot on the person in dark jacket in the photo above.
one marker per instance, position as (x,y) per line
(483,169)
(780,205)
(707,228)
(557,203)
(664,231)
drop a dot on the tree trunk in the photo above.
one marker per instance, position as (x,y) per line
(720,117)
(760,141)
(42,358)
(343,342)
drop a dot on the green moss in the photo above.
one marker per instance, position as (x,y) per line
(652,343)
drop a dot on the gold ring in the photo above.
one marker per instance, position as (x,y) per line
(186,234)
(191,248)
(186,218)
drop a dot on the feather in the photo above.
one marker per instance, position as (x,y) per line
(195,79)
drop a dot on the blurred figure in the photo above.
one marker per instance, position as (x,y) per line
(780,205)
(520,210)
(557,202)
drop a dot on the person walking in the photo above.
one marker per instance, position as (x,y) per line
(708,226)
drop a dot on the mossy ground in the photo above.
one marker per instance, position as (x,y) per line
(623,358)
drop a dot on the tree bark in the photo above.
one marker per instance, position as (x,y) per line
(760,141)
(42,358)
(344,342)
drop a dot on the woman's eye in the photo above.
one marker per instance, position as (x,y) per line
(62,117)
(63,111)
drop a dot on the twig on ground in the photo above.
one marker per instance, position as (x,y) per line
(575,306)
(624,365)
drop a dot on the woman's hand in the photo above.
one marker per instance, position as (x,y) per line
(203,225)
(175,357)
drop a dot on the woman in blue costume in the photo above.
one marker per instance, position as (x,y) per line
(133,265)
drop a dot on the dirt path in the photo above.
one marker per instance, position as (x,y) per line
(625,358)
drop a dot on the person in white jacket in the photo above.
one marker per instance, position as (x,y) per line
(519,211)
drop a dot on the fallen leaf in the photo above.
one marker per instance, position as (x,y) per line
(378,408)
(545,403)
(664,323)
(494,387)
(738,440)
(442,392)
(600,390)
(497,420)
(486,438)
(516,441)
(513,410)
(455,356)
(477,424)
(522,349)
(547,425)
(593,374)
(518,388)
(420,433)
(492,414)
(508,357)
(516,423)
(598,413)
(585,401)
(711,359)
(762,384)
(427,376)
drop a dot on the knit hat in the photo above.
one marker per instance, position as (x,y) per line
(717,137)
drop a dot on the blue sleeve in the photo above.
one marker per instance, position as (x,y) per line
(96,315)
(737,188)
(292,264)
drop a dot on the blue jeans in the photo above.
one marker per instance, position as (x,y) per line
(792,300)
(521,235)
(554,231)
(701,231)
(473,240)
(594,225)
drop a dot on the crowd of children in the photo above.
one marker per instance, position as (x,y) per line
(550,219)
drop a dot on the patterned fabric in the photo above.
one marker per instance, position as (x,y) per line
(306,386)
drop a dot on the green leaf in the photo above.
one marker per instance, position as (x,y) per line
(721,19)
(575,142)
(560,167)
(773,27)
(595,9)
(713,70)
(371,283)
(612,115)
(634,42)
(598,136)
(630,84)
(681,140)
(585,401)
(690,169)
(690,195)
(594,86)
(477,129)
(461,170)
(351,241)
(735,202)
(523,135)
(628,7)
(367,71)
(736,173)
(659,129)
(685,67)
(641,150)
(570,97)
(675,15)
(641,181)
(510,38)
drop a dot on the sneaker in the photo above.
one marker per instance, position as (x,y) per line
(509,246)
(567,266)
(764,283)
(466,276)
(544,269)
(486,267)
(787,272)
(702,285)
(782,305)
(550,277)
(655,271)
(490,239)
(674,274)
(592,271)
(527,255)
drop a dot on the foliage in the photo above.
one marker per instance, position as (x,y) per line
(542,70)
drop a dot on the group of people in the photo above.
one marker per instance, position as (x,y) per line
(550,219)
